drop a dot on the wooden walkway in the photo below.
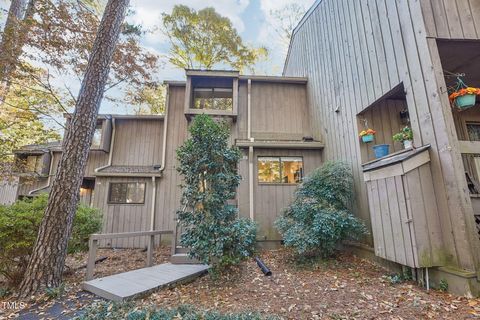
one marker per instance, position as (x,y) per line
(128,285)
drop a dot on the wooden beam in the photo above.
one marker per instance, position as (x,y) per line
(102,236)
(280,144)
(469,147)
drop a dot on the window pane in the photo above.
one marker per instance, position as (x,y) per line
(97,137)
(118,192)
(31,163)
(135,193)
(292,169)
(213,98)
(269,170)
(473,130)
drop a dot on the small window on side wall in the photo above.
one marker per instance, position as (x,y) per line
(288,170)
(97,137)
(126,193)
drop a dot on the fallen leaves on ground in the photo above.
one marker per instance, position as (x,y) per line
(345,288)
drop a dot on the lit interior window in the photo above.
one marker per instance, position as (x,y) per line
(280,169)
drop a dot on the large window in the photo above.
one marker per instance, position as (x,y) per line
(280,169)
(213,98)
(126,193)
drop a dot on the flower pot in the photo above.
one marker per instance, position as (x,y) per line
(367,138)
(466,101)
(381,150)
(408,144)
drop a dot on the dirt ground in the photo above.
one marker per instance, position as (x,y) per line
(345,288)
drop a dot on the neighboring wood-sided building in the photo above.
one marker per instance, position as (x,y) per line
(384,65)
(131,171)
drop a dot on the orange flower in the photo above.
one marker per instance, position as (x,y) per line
(367,132)
(464,91)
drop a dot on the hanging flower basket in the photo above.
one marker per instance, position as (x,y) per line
(463,97)
(367,135)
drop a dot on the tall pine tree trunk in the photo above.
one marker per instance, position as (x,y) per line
(14,37)
(47,262)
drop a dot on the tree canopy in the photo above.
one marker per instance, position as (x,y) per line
(204,39)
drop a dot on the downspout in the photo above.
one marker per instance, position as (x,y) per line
(250,150)
(49,179)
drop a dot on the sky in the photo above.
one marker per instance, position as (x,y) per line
(251,18)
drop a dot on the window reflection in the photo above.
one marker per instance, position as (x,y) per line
(280,169)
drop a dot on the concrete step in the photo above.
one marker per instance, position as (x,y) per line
(183,258)
(181,250)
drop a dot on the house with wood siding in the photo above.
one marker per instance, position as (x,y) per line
(131,170)
(385,65)
(350,66)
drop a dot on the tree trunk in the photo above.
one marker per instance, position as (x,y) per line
(47,262)
(13,39)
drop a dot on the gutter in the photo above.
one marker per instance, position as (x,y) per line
(49,179)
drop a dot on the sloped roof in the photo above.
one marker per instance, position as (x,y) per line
(40,148)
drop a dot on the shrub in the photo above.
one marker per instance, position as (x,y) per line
(320,217)
(19,225)
(106,310)
(212,231)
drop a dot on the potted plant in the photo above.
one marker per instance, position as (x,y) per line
(463,96)
(405,136)
(367,135)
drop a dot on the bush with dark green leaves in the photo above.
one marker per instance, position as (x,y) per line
(113,311)
(320,216)
(19,224)
(212,230)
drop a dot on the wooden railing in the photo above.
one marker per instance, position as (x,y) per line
(94,238)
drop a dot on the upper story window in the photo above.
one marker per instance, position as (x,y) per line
(473,130)
(287,170)
(33,163)
(97,137)
(211,92)
(213,98)
(126,193)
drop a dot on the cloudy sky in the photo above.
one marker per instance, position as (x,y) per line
(251,18)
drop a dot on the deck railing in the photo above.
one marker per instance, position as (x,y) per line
(94,238)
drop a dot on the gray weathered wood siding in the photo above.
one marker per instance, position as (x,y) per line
(354,53)
(403,208)
(271,200)
(279,111)
(123,217)
(8,191)
(169,192)
(137,142)
(447,19)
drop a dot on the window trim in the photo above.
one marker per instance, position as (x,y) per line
(280,183)
(125,203)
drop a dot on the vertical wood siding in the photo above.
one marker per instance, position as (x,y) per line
(353,53)
(8,191)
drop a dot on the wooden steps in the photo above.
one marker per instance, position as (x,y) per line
(131,284)
(183,258)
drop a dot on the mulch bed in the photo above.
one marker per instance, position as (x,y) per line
(345,288)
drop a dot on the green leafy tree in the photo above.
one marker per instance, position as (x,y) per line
(204,39)
(320,216)
(213,232)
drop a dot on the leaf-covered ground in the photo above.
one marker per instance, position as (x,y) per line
(346,288)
